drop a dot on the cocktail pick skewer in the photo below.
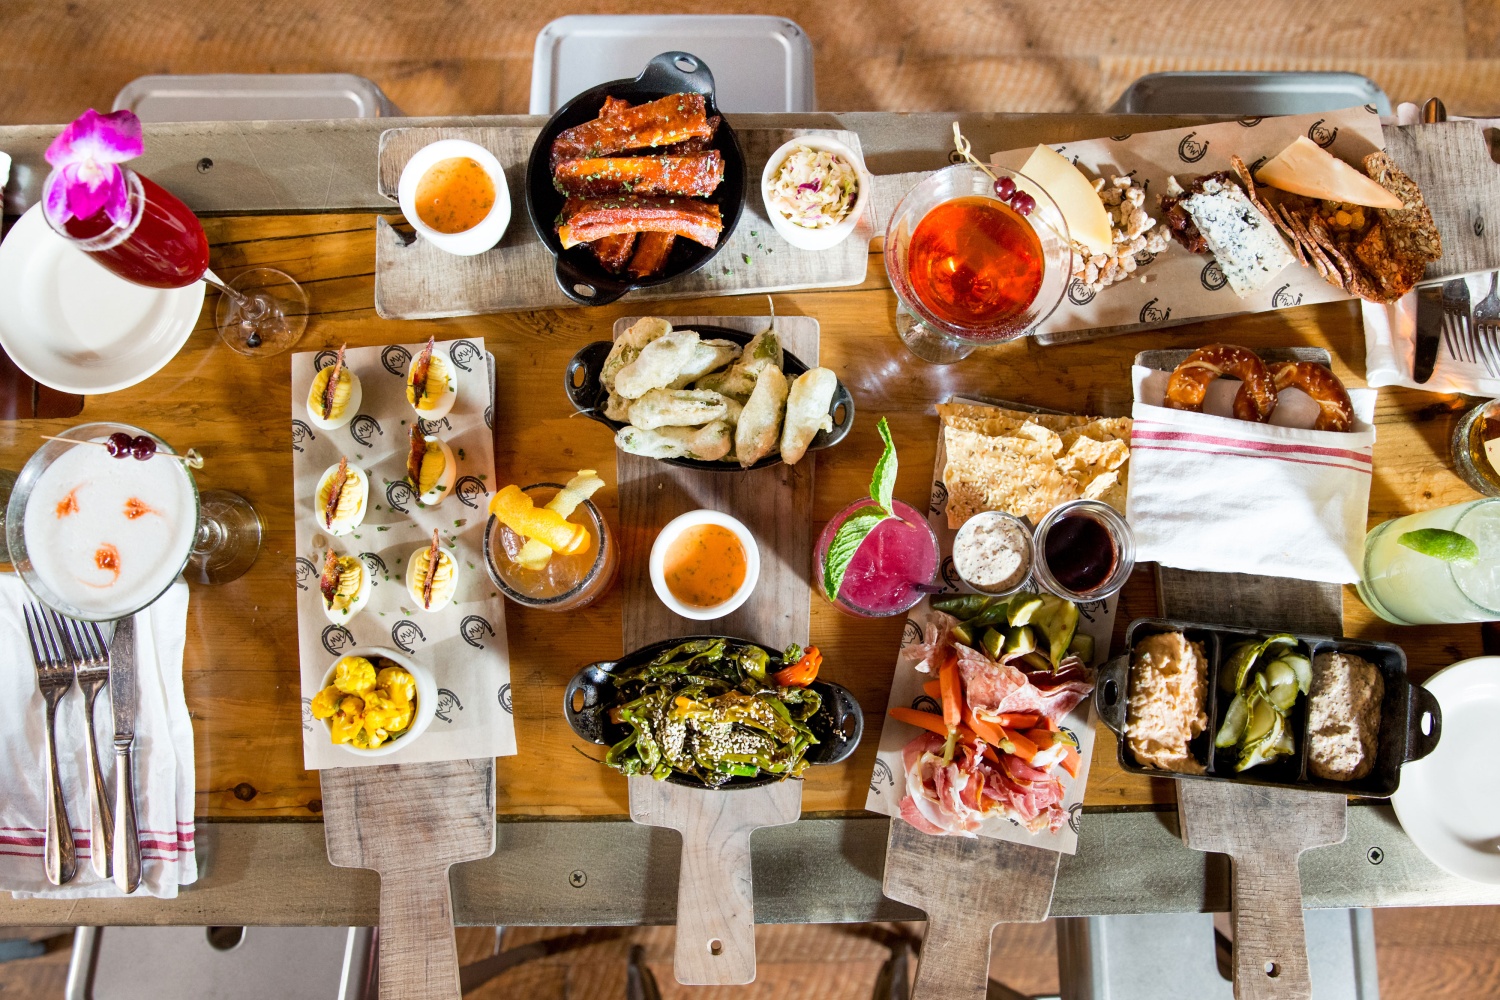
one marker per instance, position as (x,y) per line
(190,458)
(966,152)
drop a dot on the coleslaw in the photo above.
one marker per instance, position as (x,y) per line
(814,188)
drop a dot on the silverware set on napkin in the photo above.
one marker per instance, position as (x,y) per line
(1471,335)
(66,650)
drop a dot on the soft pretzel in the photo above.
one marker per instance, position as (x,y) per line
(1337,413)
(1189,383)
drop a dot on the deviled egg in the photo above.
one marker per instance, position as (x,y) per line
(430,467)
(345,587)
(431,383)
(342,498)
(334,397)
(432,575)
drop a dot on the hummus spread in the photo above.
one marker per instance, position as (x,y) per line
(1343,723)
(1168,690)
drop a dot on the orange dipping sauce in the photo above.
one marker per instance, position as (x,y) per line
(704,566)
(455,195)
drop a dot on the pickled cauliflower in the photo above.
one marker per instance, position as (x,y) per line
(366,708)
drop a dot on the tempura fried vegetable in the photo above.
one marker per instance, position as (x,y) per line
(709,443)
(710,356)
(658,364)
(628,346)
(807,412)
(677,408)
(759,427)
(617,407)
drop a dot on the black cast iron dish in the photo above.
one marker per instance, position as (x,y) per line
(838,724)
(589,396)
(579,275)
(1410,720)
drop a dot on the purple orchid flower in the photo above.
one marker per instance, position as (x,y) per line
(86,160)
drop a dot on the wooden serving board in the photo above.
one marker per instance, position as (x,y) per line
(715,898)
(410,823)
(1263,830)
(416,280)
(965,887)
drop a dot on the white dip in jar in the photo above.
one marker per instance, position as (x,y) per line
(993,552)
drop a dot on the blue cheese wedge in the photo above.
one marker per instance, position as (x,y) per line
(1243,241)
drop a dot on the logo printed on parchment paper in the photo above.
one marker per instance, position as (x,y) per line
(950,574)
(910,632)
(881,775)
(464,353)
(405,634)
(363,429)
(1144,257)
(395,358)
(1190,150)
(448,703)
(336,639)
(1080,294)
(474,629)
(1120,138)
(939,501)
(1281,298)
(323,359)
(1372,109)
(306,570)
(503,696)
(1250,122)
(301,434)
(1321,134)
(926,703)
(489,416)
(1260,162)
(375,565)
(1212,276)
(433,426)
(1075,817)
(469,490)
(1151,314)
(307,716)
(398,493)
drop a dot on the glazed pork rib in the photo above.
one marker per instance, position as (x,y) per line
(587,220)
(695,175)
(614,252)
(671,119)
(651,252)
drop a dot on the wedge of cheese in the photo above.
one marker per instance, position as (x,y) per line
(1307,169)
(1088,222)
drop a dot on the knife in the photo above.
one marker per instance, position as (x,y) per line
(1429,332)
(122,696)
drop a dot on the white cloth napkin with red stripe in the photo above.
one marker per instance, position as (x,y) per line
(1209,492)
(164,771)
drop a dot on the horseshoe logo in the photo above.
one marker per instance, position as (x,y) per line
(1120,138)
(433,426)
(398,493)
(395,358)
(1212,276)
(950,574)
(1321,134)
(363,429)
(306,570)
(323,359)
(307,716)
(1250,122)
(1281,298)
(939,501)
(448,703)
(910,632)
(926,703)
(1144,257)
(301,434)
(881,775)
(1080,294)
(469,490)
(336,639)
(1151,314)
(464,353)
(1190,150)
(374,564)
(405,634)
(489,416)
(504,697)
(474,629)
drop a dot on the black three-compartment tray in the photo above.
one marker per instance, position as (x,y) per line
(1410,719)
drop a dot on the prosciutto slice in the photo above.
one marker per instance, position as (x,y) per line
(942,798)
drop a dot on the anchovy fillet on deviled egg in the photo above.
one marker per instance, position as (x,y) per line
(334,397)
(430,467)
(432,576)
(431,383)
(345,587)
(342,498)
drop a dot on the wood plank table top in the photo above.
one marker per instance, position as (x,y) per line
(241,667)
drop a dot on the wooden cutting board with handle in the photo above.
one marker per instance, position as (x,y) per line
(965,887)
(715,898)
(1263,830)
(410,823)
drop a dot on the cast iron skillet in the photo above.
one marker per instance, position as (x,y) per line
(588,396)
(838,725)
(579,275)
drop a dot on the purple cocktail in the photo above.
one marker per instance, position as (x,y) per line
(890,567)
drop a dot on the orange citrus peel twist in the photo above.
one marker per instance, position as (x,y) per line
(515,510)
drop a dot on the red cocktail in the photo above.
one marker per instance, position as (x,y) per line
(891,566)
(163,244)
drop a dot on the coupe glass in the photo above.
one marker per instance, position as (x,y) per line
(940,341)
(221,539)
(261,312)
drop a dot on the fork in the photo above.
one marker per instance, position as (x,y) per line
(90,656)
(1456,321)
(54,675)
(1487,326)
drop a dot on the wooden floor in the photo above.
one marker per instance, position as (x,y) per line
(474,56)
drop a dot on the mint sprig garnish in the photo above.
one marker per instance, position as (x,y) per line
(853,532)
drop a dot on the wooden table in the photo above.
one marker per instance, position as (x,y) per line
(241,667)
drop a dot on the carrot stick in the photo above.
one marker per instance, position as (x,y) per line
(948,684)
(1071,761)
(988,732)
(933,689)
(922,720)
(1020,720)
(1024,748)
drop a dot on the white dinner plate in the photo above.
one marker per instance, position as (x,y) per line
(72,325)
(1449,801)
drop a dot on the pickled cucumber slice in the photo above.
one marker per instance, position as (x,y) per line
(1020,640)
(1276,742)
(1058,620)
(993,641)
(1236,716)
(1264,719)
(1082,646)
(1023,607)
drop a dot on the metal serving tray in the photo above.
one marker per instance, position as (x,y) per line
(1410,718)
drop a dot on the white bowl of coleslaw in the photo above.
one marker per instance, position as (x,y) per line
(815,189)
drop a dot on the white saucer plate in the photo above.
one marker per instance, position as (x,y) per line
(72,325)
(1449,801)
